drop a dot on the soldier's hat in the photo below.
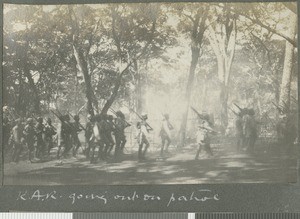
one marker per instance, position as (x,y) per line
(89,116)
(40,119)
(144,116)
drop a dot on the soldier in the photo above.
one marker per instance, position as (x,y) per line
(6,134)
(88,134)
(96,138)
(75,131)
(39,132)
(111,129)
(29,136)
(50,131)
(65,133)
(203,138)
(165,134)
(121,125)
(105,134)
(250,130)
(239,131)
(144,129)
(17,140)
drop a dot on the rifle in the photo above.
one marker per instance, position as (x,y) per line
(200,115)
(60,118)
(235,113)
(295,100)
(78,122)
(139,117)
(171,127)
(278,108)
(114,112)
(242,110)
(81,108)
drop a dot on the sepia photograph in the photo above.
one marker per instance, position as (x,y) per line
(150,93)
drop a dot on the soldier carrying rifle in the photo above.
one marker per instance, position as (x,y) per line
(203,134)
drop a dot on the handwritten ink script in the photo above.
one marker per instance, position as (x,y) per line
(197,196)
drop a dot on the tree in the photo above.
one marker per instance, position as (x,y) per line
(193,23)
(222,38)
(285,87)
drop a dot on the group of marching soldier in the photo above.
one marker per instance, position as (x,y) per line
(37,137)
(105,135)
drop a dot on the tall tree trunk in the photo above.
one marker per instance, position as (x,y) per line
(138,92)
(195,56)
(83,68)
(197,33)
(26,70)
(285,87)
(223,43)
(224,106)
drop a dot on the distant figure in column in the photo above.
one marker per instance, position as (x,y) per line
(250,130)
(121,125)
(50,131)
(6,134)
(17,140)
(203,138)
(142,137)
(165,134)
(239,131)
(88,135)
(40,144)
(75,131)
(29,137)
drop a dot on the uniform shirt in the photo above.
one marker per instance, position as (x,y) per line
(40,129)
(249,126)
(88,130)
(202,133)
(165,128)
(144,128)
(239,126)
(29,132)
(49,131)
(17,134)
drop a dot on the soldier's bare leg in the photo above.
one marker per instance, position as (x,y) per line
(198,151)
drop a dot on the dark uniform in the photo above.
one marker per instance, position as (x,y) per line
(110,131)
(39,132)
(120,124)
(65,133)
(105,135)
(203,138)
(6,134)
(250,130)
(76,128)
(165,134)
(89,135)
(50,131)
(29,136)
(239,132)
(96,138)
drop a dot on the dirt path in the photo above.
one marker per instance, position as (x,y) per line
(226,166)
